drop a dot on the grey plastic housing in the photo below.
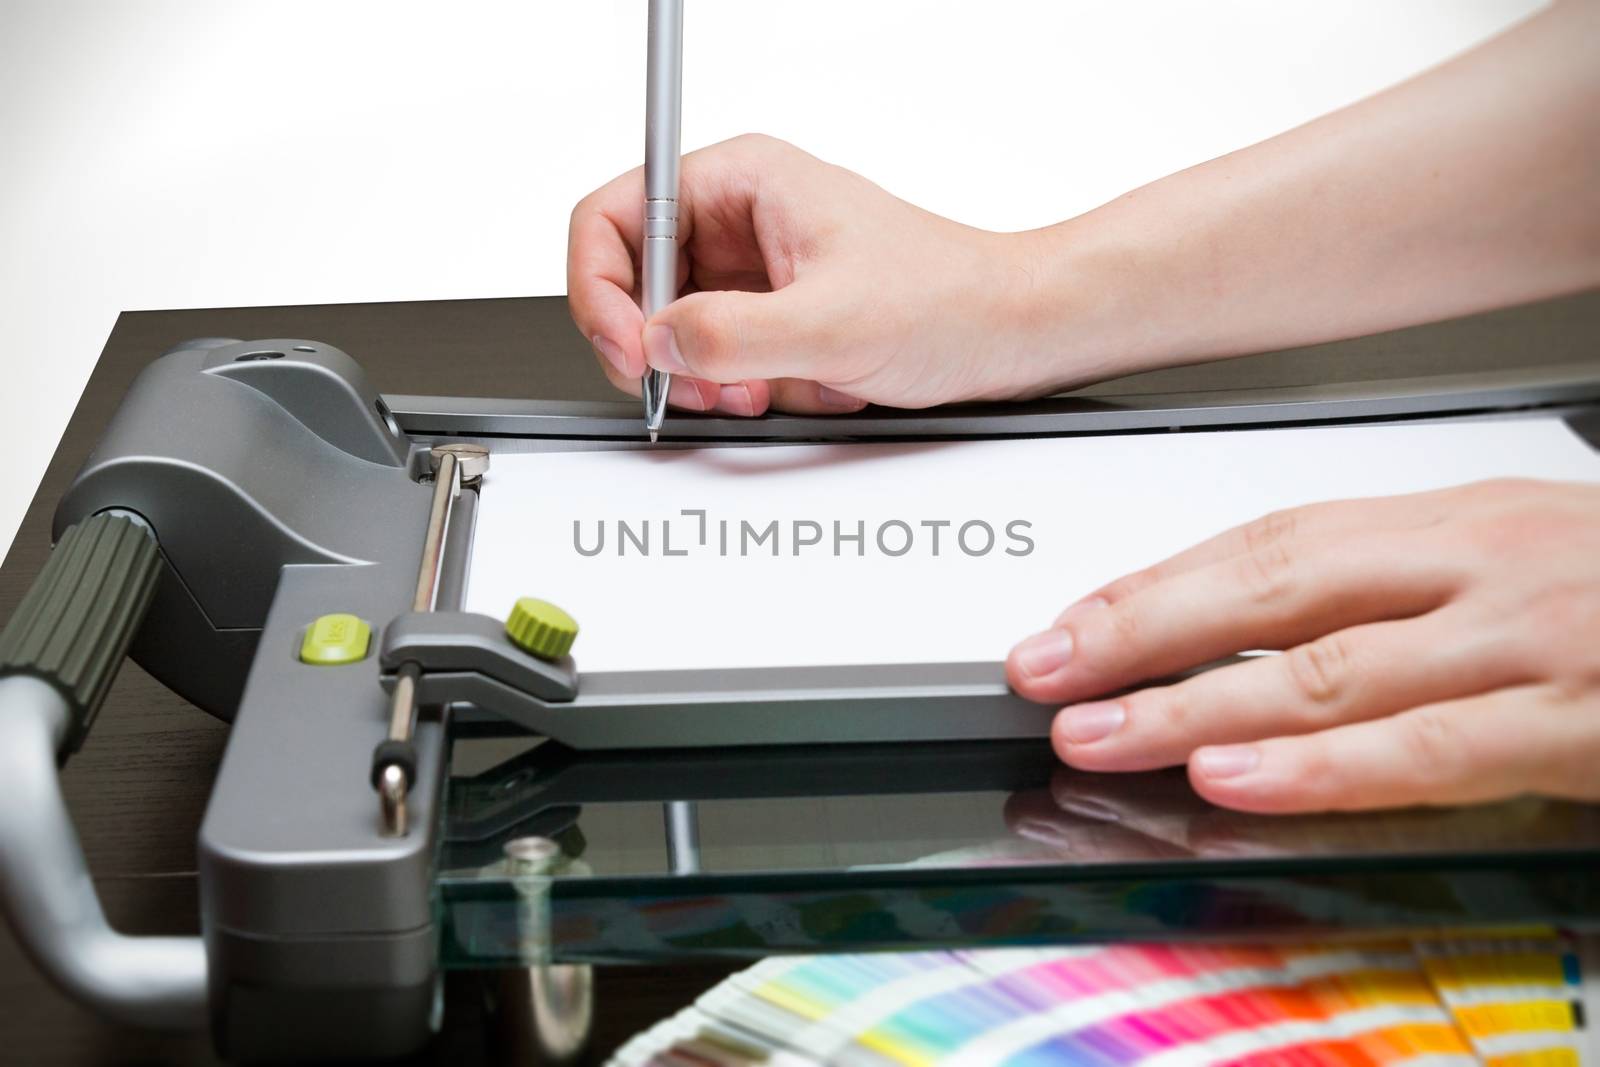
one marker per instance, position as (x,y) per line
(279,492)
(235,484)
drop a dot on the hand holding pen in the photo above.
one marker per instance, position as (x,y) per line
(813,290)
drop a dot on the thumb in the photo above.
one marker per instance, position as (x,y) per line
(732,336)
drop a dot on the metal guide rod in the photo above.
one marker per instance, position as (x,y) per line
(403,709)
(395,763)
(445,487)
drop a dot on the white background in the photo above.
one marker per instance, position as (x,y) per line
(206,153)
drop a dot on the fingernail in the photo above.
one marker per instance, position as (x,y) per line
(736,400)
(1044,653)
(612,352)
(1086,723)
(1225,761)
(661,349)
(835,399)
(686,393)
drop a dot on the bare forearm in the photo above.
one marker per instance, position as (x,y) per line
(1474,185)
(812,290)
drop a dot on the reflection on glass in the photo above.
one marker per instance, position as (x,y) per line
(893,846)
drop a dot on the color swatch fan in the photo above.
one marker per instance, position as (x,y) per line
(1507,1001)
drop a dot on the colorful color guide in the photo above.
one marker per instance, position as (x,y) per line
(1511,1001)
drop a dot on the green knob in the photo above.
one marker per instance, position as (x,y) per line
(541,629)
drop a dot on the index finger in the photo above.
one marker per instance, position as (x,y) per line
(1277,598)
(1272,532)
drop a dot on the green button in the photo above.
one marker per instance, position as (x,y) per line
(541,629)
(335,639)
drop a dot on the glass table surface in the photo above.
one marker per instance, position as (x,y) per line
(653,856)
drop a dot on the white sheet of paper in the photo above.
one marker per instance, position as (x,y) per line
(1095,508)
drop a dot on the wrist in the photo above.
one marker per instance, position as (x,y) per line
(1091,306)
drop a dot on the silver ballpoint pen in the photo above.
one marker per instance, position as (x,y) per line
(663,117)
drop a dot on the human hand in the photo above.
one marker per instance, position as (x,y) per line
(1439,648)
(806,288)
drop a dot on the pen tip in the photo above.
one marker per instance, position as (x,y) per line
(653,435)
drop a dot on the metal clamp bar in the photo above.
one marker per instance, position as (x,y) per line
(450,641)
(1552,387)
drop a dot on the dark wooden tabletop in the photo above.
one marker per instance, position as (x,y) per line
(138,787)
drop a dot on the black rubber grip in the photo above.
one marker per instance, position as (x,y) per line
(402,754)
(73,626)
